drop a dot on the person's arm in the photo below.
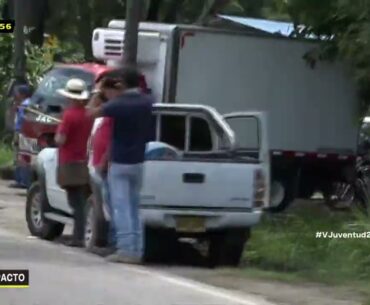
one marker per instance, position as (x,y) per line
(62,131)
(60,139)
(21,117)
(97,99)
(95,112)
(110,109)
(17,121)
(103,166)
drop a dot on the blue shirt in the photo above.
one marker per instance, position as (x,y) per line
(132,124)
(20,115)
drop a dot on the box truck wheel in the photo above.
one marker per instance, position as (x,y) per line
(36,205)
(282,193)
(226,248)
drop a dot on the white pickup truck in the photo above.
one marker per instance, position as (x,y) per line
(215,189)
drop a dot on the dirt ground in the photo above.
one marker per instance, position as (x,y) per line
(12,210)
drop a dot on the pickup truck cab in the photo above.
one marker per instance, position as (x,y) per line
(215,189)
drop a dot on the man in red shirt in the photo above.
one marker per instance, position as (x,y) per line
(72,137)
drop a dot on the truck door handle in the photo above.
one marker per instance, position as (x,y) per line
(193,178)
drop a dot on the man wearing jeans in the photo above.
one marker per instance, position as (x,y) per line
(132,114)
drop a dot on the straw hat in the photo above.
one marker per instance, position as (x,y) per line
(75,89)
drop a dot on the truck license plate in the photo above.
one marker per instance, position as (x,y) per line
(189,224)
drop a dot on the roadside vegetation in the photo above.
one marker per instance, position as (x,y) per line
(285,247)
(6,155)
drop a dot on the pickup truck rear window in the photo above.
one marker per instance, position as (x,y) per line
(200,135)
(173,132)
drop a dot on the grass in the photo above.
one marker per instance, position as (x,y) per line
(285,248)
(6,155)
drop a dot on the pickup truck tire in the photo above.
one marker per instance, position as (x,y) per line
(96,227)
(38,225)
(288,188)
(160,245)
(226,248)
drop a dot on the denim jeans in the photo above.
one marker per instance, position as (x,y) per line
(23,175)
(103,187)
(125,183)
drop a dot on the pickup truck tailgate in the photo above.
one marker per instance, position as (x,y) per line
(198,184)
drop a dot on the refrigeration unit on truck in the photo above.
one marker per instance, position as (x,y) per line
(311,110)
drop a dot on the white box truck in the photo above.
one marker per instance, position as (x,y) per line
(311,112)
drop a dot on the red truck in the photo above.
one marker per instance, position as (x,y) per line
(39,128)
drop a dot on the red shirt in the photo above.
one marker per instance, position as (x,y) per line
(101,141)
(76,127)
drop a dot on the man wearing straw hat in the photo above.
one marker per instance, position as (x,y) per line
(72,137)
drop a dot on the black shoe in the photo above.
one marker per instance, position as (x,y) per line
(104,252)
(75,244)
(120,258)
(17,186)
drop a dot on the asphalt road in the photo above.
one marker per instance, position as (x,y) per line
(60,275)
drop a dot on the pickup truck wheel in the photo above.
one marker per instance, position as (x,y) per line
(226,248)
(96,228)
(282,194)
(159,245)
(37,224)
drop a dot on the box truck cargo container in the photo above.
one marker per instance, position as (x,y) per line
(311,111)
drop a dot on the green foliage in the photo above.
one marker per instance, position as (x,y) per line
(288,243)
(6,71)
(6,155)
(39,60)
(6,46)
(345,30)
(74,21)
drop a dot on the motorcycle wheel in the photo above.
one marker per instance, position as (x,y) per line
(341,198)
(361,200)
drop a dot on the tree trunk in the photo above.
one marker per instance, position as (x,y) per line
(19,42)
(133,15)
(85,27)
(153,11)
(37,35)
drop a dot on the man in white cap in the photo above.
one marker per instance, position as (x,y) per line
(72,137)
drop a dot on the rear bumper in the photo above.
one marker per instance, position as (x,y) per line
(214,220)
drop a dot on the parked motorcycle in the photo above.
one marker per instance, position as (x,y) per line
(355,195)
